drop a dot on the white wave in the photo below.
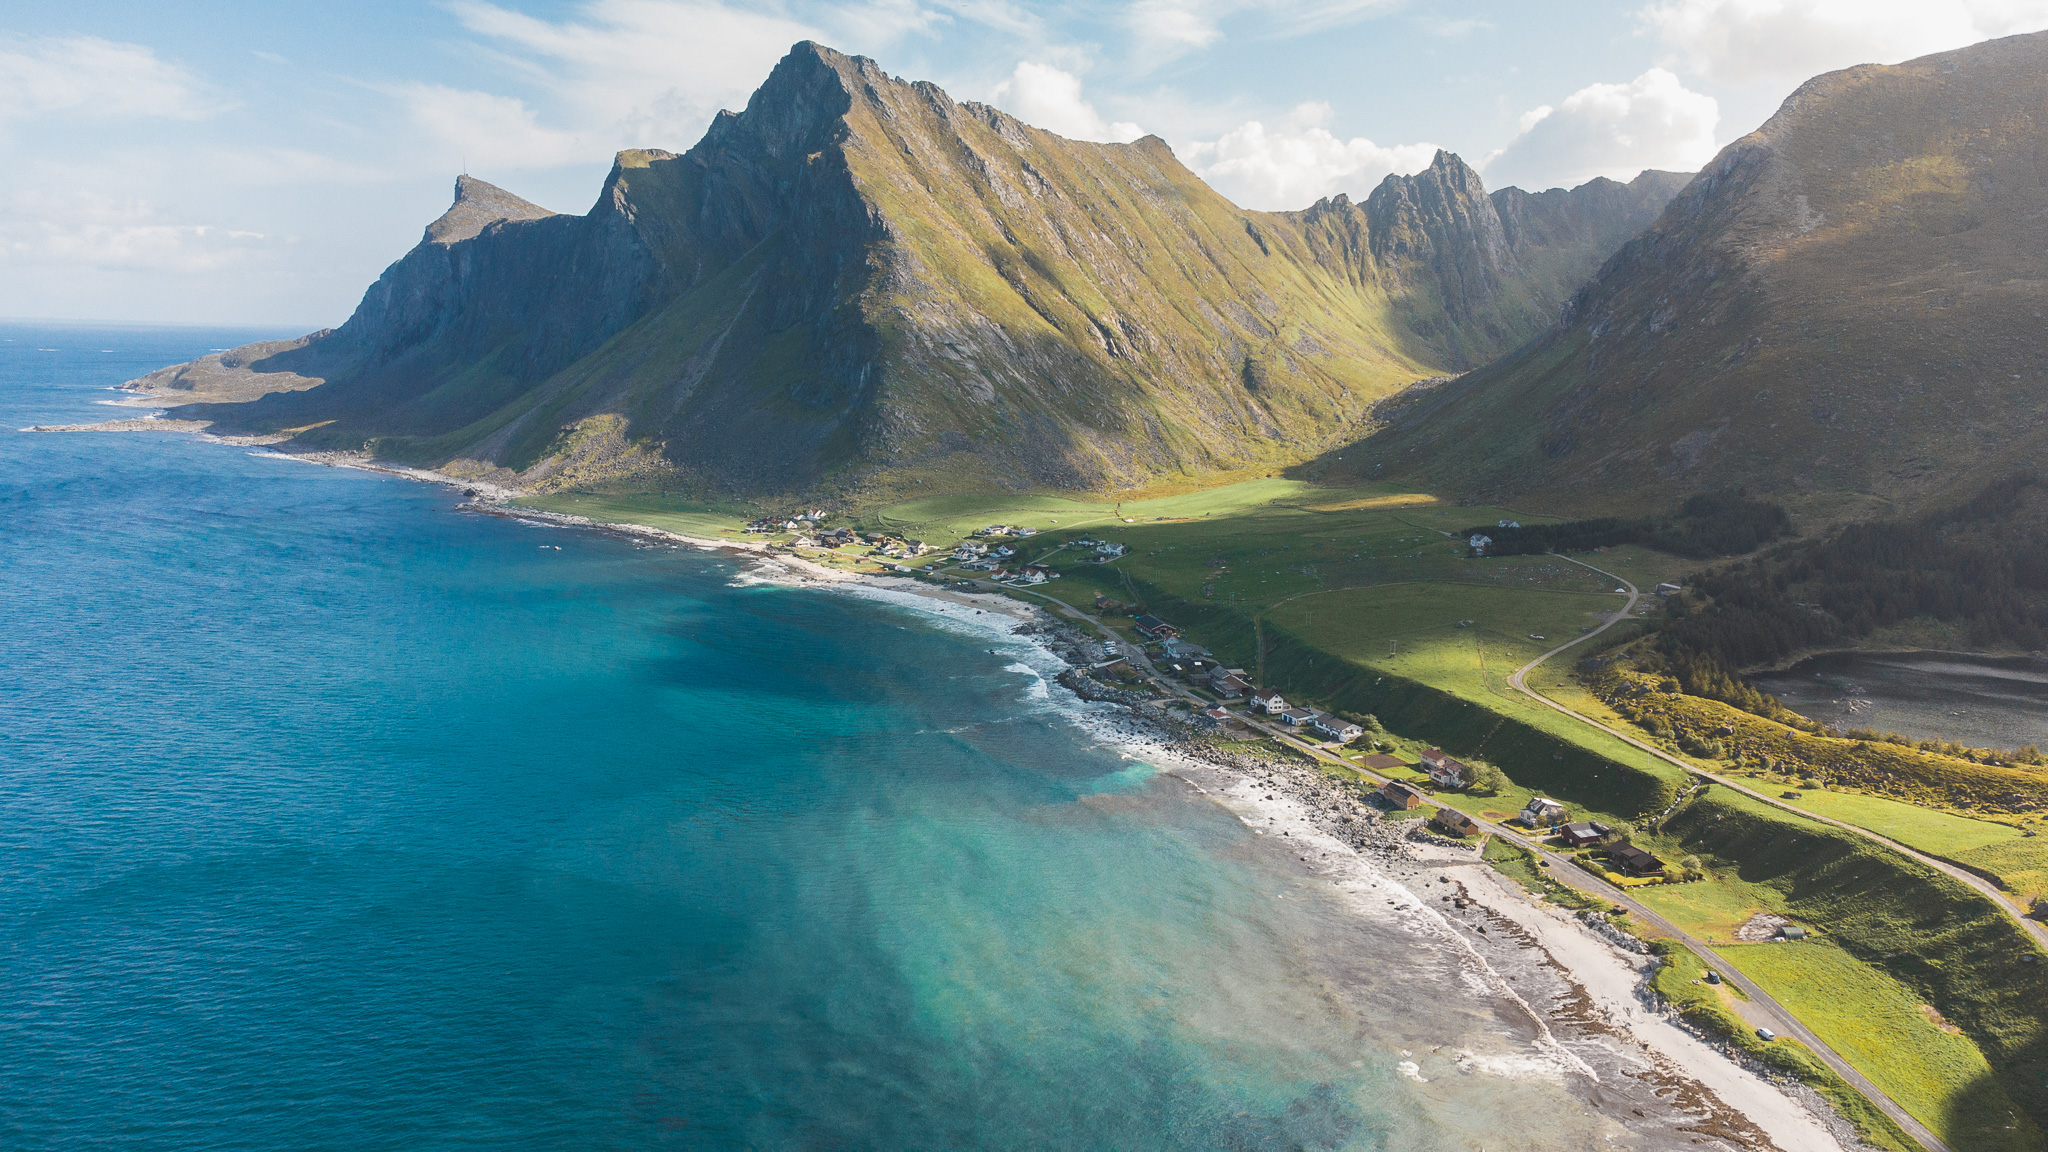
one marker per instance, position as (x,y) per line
(1514,1067)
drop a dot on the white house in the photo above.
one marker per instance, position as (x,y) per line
(1267,701)
(1543,812)
(1337,728)
(1108,549)
(1446,771)
(1296,717)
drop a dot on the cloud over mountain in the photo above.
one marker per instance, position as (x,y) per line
(1611,130)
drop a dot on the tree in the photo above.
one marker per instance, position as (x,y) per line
(1488,778)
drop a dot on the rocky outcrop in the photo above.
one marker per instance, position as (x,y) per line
(857,276)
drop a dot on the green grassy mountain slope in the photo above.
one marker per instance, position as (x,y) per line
(859,274)
(1843,311)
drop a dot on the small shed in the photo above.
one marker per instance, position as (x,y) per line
(1296,717)
(1791,932)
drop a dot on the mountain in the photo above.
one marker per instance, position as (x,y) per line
(1843,312)
(859,274)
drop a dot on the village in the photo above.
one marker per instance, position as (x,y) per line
(1224,701)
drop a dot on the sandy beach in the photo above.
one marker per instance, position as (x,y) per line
(1573,1000)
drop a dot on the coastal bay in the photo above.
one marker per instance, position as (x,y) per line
(404,815)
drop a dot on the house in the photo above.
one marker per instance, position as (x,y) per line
(1006,550)
(1105,604)
(1217,713)
(914,547)
(1296,717)
(1153,628)
(1669,589)
(1229,687)
(1027,531)
(969,549)
(1183,649)
(1267,701)
(1635,861)
(1400,795)
(1338,729)
(1029,577)
(1446,771)
(1455,822)
(1479,541)
(1584,833)
(1039,569)
(1110,550)
(1543,812)
(1509,524)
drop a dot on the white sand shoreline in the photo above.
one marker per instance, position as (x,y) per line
(1739,1108)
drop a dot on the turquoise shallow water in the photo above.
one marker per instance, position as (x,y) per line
(330,817)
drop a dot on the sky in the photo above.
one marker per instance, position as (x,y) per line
(241,162)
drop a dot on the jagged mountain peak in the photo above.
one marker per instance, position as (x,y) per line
(856,275)
(477,206)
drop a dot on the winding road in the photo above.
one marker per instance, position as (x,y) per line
(2004,903)
(1761,1006)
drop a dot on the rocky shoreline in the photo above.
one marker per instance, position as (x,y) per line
(1574,992)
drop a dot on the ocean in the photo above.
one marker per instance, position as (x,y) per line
(332,817)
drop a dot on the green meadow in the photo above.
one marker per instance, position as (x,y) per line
(1364,599)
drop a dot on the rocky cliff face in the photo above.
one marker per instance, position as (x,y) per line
(1843,311)
(858,274)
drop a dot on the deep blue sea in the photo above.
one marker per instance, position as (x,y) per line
(331,817)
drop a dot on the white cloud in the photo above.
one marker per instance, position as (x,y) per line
(1045,97)
(1168,27)
(107,234)
(1300,163)
(1787,41)
(94,77)
(1612,130)
(621,73)
(491,131)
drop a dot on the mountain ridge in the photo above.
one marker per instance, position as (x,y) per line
(1841,312)
(857,274)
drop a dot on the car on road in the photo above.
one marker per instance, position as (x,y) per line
(1766,1034)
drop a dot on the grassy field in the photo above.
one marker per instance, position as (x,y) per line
(653,511)
(1884,1029)
(1680,983)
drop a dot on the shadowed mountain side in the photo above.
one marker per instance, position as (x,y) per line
(1843,312)
(858,273)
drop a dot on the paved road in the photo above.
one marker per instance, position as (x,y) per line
(1998,898)
(1568,872)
